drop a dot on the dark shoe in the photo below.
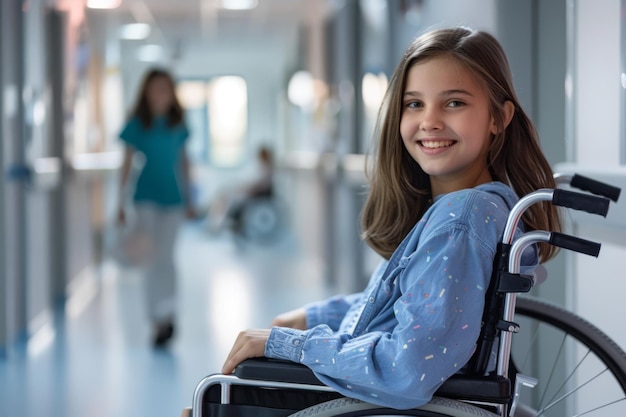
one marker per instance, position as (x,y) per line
(163,334)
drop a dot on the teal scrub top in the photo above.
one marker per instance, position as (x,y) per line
(160,179)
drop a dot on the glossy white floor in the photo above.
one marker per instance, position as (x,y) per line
(97,359)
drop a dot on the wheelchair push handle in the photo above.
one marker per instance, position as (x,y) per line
(596,187)
(575,244)
(570,199)
(579,201)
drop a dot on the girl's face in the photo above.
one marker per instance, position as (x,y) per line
(160,95)
(446,124)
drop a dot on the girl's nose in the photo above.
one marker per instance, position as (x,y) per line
(431,119)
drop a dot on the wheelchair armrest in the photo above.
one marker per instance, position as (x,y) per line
(266,369)
(491,389)
(494,389)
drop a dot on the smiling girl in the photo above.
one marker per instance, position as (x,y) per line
(455,150)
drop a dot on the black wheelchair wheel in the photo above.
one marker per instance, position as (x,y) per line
(581,371)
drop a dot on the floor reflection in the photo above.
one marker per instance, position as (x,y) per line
(97,359)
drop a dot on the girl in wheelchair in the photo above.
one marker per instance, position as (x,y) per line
(454,150)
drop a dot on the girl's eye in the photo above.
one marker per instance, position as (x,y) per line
(413,104)
(455,103)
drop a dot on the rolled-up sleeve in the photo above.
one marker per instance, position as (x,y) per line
(285,343)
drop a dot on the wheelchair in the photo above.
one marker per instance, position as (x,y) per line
(258,219)
(580,356)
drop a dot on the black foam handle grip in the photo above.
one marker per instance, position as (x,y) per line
(595,187)
(578,201)
(575,243)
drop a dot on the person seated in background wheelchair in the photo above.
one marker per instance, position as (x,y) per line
(455,149)
(228,209)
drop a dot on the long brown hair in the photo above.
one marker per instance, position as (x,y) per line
(142,109)
(400,190)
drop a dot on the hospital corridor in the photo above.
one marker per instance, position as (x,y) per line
(175,172)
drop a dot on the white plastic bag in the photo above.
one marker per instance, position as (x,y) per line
(129,246)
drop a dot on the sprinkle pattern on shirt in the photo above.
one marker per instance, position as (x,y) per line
(417,321)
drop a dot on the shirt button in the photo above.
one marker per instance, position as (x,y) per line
(371,300)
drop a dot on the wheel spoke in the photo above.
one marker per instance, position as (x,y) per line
(533,342)
(567,394)
(570,376)
(599,408)
(582,372)
(549,382)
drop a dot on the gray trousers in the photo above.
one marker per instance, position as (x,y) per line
(160,226)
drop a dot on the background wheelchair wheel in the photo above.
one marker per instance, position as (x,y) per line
(437,407)
(262,220)
(581,371)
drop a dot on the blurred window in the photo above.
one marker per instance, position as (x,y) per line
(216,112)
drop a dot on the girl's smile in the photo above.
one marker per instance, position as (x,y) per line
(435,146)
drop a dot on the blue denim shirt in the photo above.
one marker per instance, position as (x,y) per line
(417,322)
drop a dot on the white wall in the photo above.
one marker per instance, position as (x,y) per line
(597,75)
(599,285)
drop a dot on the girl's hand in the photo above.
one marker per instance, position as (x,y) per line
(294,319)
(249,344)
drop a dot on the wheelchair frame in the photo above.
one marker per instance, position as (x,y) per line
(480,387)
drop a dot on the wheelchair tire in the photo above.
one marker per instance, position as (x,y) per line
(581,371)
(437,407)
(262,220)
